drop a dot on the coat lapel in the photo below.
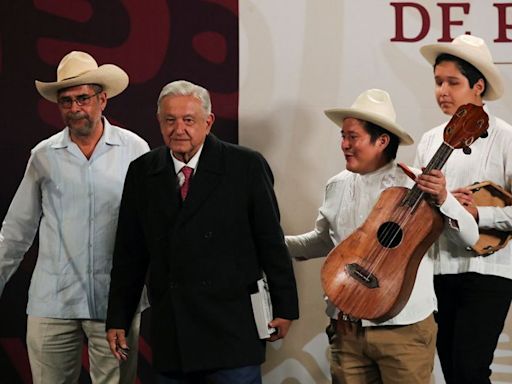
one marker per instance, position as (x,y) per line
(207,177)
(163,183)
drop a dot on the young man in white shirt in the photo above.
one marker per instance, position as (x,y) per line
(401,349)
(474,292)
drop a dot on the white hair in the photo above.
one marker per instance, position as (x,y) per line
(186,88)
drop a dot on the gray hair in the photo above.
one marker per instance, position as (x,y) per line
(186,88)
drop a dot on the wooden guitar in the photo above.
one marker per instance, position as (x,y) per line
(370,274)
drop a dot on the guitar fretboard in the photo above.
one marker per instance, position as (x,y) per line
(413,197)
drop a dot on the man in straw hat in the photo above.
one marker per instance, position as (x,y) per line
(401,349)
(71,191)
(474,292)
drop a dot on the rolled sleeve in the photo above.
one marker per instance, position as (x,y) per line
(495,218)
(461,227)
(20,224)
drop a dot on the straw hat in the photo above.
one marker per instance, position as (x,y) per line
(473,50)
(78,68)
(373,105)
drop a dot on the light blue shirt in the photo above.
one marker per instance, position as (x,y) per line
(74,201)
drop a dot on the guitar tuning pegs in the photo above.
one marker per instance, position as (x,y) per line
(466,150)
(461,111)
(484,135)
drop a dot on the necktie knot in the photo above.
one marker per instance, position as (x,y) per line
(187,173)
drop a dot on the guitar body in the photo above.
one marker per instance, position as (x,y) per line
(370,274)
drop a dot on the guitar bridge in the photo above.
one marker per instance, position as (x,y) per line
(362,275)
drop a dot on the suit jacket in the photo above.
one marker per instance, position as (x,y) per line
(203,255)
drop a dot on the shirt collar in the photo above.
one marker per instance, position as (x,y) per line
(192,163)
(109,136)
(378,172)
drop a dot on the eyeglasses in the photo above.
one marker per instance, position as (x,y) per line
(80,100)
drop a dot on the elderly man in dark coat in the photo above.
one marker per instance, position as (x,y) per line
(202,215)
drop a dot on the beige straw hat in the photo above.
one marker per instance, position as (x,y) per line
(78,68)
(373,105)
(473,50)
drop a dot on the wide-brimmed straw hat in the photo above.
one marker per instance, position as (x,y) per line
(473,50)
(78,68)
(375,106)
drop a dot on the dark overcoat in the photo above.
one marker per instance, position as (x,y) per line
(202,257)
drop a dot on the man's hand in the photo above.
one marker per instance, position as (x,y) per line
(117,343)
(433,183)
(465,197)
(281,326)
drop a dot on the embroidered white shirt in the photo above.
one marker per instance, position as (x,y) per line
(490,159)
(349,198)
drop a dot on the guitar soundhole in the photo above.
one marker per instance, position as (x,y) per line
(389,234)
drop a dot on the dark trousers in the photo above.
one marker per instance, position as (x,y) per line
(472,312)
(243,375)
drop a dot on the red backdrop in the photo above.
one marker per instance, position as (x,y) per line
(156,42)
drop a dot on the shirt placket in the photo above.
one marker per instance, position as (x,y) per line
(90,245)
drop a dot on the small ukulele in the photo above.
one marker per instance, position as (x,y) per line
(370,274)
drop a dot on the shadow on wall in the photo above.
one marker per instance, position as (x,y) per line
(299,151)
(419,84)
(303,155)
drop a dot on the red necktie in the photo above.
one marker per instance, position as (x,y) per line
(187,172)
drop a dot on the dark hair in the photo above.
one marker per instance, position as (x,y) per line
(375,131)
(468,70)
(97,88)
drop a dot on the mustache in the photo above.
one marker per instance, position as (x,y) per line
(77,116)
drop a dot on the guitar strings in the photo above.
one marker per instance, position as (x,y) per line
(403,213)
(412,199)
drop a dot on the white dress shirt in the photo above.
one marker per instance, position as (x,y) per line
(192,163)
(490,159)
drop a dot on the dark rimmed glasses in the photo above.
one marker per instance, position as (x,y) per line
(80,100)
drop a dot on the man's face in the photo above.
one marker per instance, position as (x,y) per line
(361,155)
(184,125)
(83,119)
(452,88)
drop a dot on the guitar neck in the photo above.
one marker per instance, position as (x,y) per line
(440,157)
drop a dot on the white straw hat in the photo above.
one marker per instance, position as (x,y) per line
(375,106)
(78,68)
(473,50)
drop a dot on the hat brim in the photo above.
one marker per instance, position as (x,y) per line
(337,115)
(490,71)
(112,78)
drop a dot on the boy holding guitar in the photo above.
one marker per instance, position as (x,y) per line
(474,292)
(399,349)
